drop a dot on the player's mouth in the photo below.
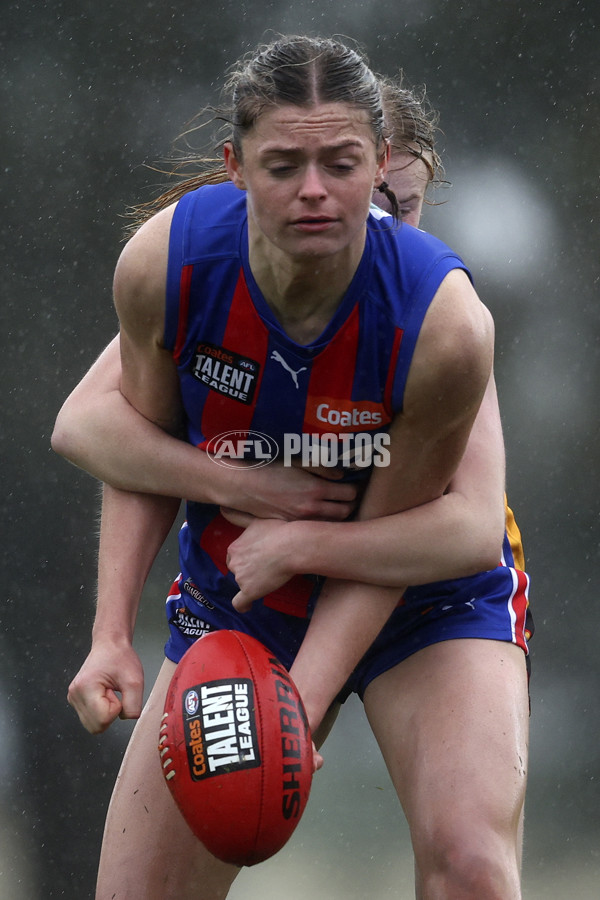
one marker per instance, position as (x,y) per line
(314,224)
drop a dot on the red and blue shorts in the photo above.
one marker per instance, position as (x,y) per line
(493,605)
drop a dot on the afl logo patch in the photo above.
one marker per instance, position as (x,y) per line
(192,702)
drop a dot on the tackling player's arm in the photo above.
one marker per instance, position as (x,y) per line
(453,536)
(448,378)
(134,526)
(98,430)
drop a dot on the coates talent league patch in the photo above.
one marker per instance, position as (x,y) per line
(220,727)
(225,371)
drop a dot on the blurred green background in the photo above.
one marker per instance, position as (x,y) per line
(92,91)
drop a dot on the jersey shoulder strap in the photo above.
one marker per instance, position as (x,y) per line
(206,228)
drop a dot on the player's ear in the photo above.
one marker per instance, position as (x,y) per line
(383,163)
(233,165)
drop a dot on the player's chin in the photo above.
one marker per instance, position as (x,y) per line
(321,245)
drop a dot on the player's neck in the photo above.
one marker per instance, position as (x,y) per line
(303,293)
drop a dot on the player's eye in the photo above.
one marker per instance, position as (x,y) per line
(341,166)
(281,169)
(408,209)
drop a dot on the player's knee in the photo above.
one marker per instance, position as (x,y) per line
(476,863)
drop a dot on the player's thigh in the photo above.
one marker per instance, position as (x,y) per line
(452,723)
(148,852)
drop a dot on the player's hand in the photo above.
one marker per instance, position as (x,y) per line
(109,684)
(292,492)
(317,759)
(256,558)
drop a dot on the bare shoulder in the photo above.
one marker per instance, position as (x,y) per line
(454,354)
(141,272)
(148,375)
(457,320)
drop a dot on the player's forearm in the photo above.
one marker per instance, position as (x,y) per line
(346,621)
(443,539)
(133,528)
(113,442)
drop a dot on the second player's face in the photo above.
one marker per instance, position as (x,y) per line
(408,177)
(309,174)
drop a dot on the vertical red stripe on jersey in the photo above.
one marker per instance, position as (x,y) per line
(291,598)
(184,306)
(389,384)
(333,369)
(216,538)
(245,334)
(520,604)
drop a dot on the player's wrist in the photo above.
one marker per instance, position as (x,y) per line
(300,544)
(293,542)
(316,698)
(315,707)
(228,485)
(109,636)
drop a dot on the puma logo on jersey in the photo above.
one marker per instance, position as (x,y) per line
(293,372)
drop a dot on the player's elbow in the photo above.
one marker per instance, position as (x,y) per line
(487,546)
(482,527)
(65,435)
(489,555)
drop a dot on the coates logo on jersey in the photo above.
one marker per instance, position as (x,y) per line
(226,372)
(220,727)
(252,447)
(330,414)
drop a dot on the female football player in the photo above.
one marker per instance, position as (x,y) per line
(286,302)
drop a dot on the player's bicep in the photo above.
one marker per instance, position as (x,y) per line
(149,382)
(482,468)
(148,374)
(480,477)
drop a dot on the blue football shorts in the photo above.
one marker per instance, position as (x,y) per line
(493,605)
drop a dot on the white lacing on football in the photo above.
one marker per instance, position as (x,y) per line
(164,750)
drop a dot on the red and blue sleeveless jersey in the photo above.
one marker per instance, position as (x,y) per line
(241,373)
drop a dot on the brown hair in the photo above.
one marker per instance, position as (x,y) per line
(411,123)
(302,71)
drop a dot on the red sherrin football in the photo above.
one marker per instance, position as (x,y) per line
(235,747)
